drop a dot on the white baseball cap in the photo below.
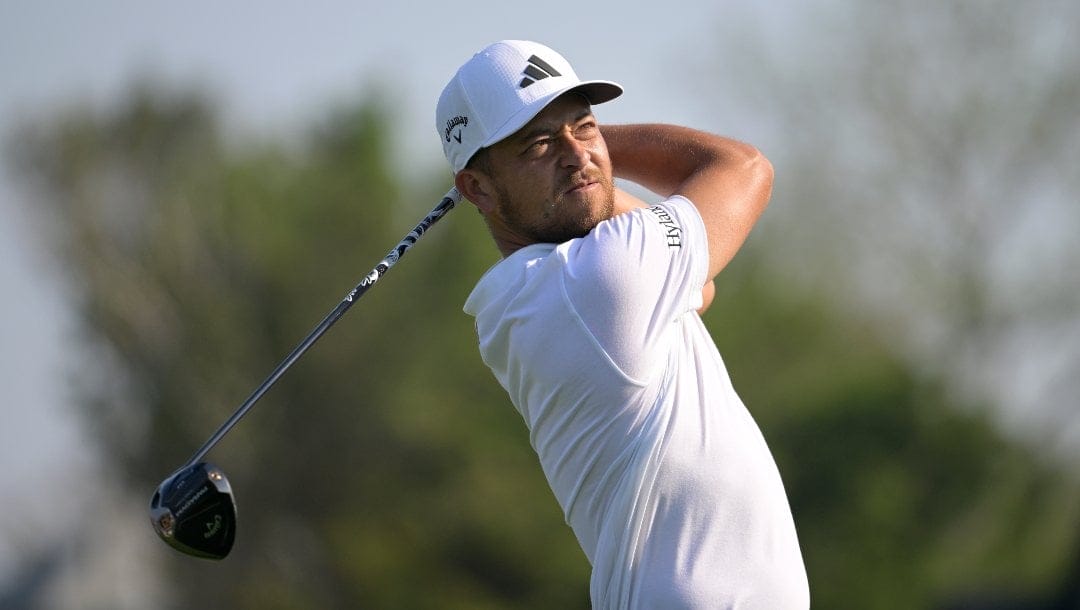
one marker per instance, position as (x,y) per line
(501,89)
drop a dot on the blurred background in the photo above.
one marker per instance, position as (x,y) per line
(187,189)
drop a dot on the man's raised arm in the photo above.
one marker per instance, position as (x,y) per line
(729,182)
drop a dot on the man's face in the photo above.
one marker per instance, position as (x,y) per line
(553,177)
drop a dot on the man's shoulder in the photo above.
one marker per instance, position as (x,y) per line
(660,226)
(506,277)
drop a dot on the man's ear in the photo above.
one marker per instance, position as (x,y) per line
(478,188)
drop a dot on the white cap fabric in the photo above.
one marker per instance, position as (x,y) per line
(501,89)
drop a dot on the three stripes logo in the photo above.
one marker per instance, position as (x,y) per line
(537,69)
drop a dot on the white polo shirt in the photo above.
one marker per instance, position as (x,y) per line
(660,470)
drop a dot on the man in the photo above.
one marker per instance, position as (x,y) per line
(590,322)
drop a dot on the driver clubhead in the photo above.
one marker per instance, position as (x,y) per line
(194,512)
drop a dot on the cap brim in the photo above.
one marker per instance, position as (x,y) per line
(599,91)
(595,91)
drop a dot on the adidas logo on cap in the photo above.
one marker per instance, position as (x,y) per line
(537,69)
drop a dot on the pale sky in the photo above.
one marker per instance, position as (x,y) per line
(275,67)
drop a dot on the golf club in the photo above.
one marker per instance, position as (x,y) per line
(193,509)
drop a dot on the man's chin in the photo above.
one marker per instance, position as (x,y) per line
(598,199)
(576,215)
(569,228)
(583,225)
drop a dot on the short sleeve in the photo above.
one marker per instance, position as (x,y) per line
(633,278)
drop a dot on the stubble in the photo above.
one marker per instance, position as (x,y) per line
(562,218)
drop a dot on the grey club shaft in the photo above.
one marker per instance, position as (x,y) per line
(452,198)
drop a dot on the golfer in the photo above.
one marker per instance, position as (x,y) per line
(591,324)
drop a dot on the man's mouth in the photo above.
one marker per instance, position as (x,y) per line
(581,185)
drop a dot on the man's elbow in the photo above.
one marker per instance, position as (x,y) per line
(761,167)
(757,176)
(754,166)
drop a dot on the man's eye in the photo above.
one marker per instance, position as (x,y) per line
(587,130)
(540,146)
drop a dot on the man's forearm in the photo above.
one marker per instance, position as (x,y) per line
(662,157)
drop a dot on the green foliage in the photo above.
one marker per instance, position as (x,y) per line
(387,469)
(902,497)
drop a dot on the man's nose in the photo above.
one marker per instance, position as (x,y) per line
(573,152)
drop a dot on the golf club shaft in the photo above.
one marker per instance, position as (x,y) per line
(448,202)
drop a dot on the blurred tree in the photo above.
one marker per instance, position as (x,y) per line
(387,469)
(902,496)
(926,160)
(362,479)
(928,151)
